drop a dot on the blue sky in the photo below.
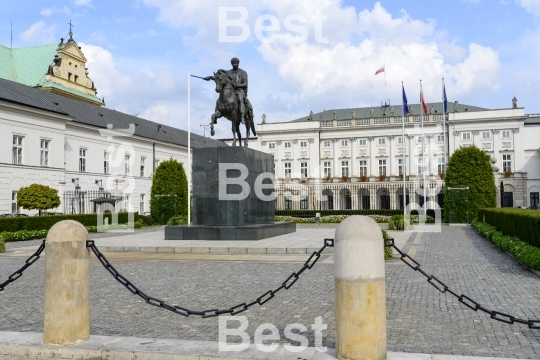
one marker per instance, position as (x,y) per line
(139,51)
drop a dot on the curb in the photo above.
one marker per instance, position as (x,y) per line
(212,250)
(30,345)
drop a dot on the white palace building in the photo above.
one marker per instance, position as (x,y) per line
(55,131)
(355,156)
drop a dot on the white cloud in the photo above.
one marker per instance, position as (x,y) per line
(56,10)
(532,6)
(39,33)
(82,2)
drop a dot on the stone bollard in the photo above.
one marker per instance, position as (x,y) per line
(67,284)
(360,290)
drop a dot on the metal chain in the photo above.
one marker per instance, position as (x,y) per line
(465,300)
(17,274)
(211,312)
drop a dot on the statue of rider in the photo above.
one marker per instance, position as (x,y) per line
(240,82)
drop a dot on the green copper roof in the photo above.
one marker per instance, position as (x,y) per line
(26,66)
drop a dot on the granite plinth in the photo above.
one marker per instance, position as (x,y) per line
(246,232)
(210,208)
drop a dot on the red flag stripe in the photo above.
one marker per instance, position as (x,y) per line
(380,70)
(422,102)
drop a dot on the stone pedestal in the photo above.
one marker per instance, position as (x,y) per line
(228,201)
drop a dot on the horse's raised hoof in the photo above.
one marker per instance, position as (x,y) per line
(212,132)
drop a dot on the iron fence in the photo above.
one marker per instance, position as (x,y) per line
(92,201)
(380,195)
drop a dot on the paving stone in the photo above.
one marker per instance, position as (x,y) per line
(419,318)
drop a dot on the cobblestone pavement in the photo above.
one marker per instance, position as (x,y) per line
(420,319)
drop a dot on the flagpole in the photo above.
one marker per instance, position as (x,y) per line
(444,125)
(423,159)
(403,167)
(189,148)
(384,82)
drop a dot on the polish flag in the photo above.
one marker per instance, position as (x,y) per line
(380,70)
(422,101)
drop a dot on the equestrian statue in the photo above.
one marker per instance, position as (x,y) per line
(233,103)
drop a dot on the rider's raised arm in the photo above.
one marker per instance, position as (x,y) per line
(208,78)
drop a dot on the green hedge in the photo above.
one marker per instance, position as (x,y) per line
(146,220)
(13,224)
(523,223)
(388,252)
(2,245)
(525,253)
(312,213)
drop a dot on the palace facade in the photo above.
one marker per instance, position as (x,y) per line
(358,157)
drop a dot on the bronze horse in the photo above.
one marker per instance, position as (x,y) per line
(227,106)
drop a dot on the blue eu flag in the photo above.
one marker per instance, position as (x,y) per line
(405,107)
(445,100)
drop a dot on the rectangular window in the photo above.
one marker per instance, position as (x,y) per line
(421,166)
(326,143)
(506,134)
(401,140)
(440,165)
(303,144)
(288,169)
(14,206)
(303,203)
(143,163)
(44,161)
(17,149)
(288,203)
(287,144)
(466,136)
(363,167)
(401,170)
(420,139)
(141,205)
(106,161)
(272,145)
(344,168)
(440,138)
(344,143)
(327,166)
(507,162)
(126,202)
(382,167)
(381,141)
(156,163)
(127,165)
(362,142)
(535,199)
(82,160)
(486,135)
(303,169)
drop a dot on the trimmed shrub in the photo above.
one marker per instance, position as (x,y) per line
(312,213)
(145,220)
(388,252)
(525,253)
(46,222)
(169,194)
(468,167)
(523,223)
(38,197)
(2,245)
(334,219)
(177,220)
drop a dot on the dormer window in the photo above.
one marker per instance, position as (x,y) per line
(76,77)
(69,76)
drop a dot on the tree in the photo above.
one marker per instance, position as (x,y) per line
(468,167)
(169,194)
(38,197)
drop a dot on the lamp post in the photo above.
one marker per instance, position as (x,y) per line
(77,196)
